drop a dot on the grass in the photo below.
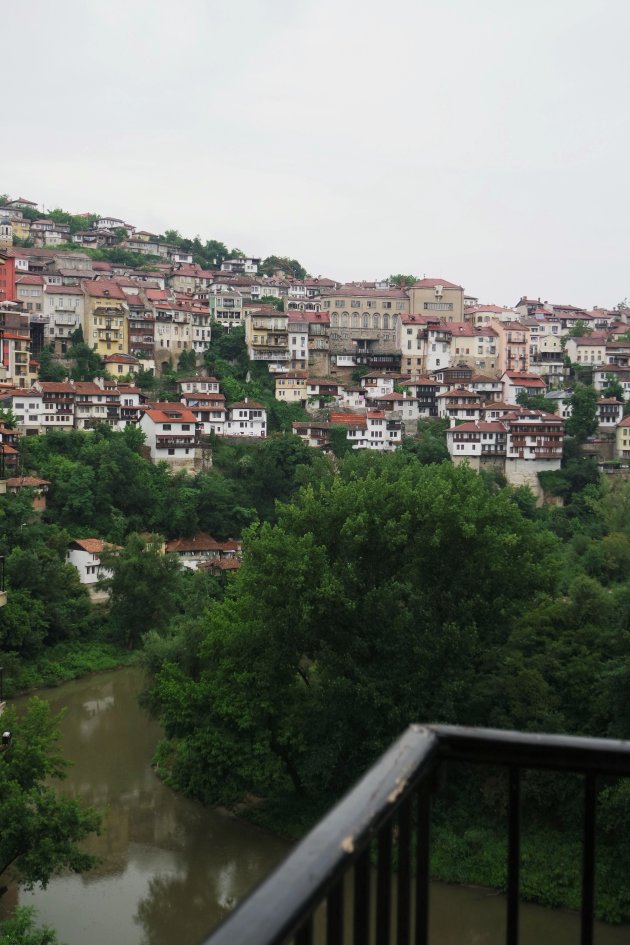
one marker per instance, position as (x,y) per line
(61,663)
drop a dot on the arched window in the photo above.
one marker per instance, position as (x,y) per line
(355,320)
(365,320)
(376,322)
(344,320)
(334,320)
(386,322)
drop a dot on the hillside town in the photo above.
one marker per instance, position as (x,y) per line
(372,358)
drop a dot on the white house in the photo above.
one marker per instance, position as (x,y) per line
(170,432)
(247,418)
(85,555)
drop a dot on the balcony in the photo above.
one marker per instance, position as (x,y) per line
(169,442)
(388,813)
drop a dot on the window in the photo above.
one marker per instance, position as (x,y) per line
(355,303)
(338,303)
(171,451)
(166,426)
(185,426)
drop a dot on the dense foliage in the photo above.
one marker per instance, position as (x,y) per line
(41,831)
(394,592)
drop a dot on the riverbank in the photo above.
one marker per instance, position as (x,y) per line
(62,663)
(476,855)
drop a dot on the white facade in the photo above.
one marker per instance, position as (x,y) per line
(170,434)
(247,418)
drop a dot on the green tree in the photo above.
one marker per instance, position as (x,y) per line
(187,361)
(583,420)
(41,831)
(536,402)
(290,267)
(402,281)
(87,363)
(49,369)
(21,929)
(304,680)
(613,388)
(273,300)
(143,588)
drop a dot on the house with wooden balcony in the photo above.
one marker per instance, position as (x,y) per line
(315,433)
(201,549)
(460,404)
(291,388)
(170,432)
(209,410)
(521,382)
(521,442)
(58,399)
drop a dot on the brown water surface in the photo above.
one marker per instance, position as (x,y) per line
(172,869)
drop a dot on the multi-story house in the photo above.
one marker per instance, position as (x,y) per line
(460,404)
(587,349)
(27,407)
(200,330)
(513,346)
(90,406)
(247,418)
(291,388)
(183,279)
(371,430)
(64,314)
(226,306)
(605,372)
(609,412)
(521,382)
(476,346)
(121,364)
(297,330)
(30,292)
(58,400)
(141,332)
(15,359)
(85,555)
(437,297)
(315,433)
(363,325)
(622,439)
(403,407)
(546,355)
(481,315)
(7,279)
(209,411)
(318,341)
(522,444)
(425,390)
(267,338)
(322,391)
(105,326)
(241,264)
(424,342)
(198,384)
(170,432)
(488,388)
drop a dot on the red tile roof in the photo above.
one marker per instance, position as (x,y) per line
(432,283)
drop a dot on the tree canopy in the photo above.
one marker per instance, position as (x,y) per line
(41,831)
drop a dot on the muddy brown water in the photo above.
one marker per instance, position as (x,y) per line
(171,869)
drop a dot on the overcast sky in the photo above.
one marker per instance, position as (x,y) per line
(486,142)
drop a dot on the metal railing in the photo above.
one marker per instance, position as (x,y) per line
(389,808)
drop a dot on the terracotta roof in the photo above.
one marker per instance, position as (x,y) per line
(482,426)
(52,387)
(353,290)
(197,378)
(92,545)
(25,482)
(103,288)
(64,289)
(348,419)
(432,283)
(171,412)
(124,358)
(29,280)
(199,542)
(247,405)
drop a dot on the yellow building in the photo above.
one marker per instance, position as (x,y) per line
(437,297)
(105,324)
(292,387)
(622,439)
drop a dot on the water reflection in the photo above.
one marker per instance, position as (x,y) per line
(170,870)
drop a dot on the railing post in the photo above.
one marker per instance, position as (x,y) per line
(514,854)
(423,841)
(588,859)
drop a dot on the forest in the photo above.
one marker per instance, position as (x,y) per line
(375,590)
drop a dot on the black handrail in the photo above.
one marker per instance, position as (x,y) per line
(393,795)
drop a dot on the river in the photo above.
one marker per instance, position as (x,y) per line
(171,869)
